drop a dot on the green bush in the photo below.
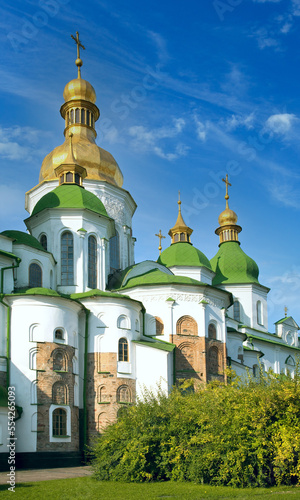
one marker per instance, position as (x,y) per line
(240,434)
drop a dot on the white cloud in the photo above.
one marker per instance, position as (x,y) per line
(235,121)
(284,193)
(280,123)
(19,143)
(201,129)
(148,140)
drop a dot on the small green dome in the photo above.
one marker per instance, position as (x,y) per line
(232,265)
(183,254)
(3,397)
(70,196)
(21,238)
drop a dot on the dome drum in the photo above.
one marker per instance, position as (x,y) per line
(228,232)
(79,113)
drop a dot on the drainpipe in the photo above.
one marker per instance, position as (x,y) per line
(86,338)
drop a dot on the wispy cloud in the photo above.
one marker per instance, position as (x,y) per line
(149,140)
(235,121)
(19,143)
(201,128)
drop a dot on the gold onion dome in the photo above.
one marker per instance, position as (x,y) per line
(79,89)
(227,217)
(80,114)
(228,230)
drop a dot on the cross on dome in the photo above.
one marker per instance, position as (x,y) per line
(78,61)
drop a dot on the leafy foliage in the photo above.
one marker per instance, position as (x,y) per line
(241,434)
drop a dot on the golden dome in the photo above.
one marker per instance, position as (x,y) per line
(227,217)
(79,89)
(80,114)
(228,229)
(99,164)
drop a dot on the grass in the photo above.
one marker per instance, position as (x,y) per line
(88,488)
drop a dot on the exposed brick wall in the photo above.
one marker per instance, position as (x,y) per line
(199,358)
(186,325)
(107,394)
(58,385)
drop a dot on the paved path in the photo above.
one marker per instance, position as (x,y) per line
(26,476)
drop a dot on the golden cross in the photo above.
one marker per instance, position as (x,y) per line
(227,184)
(79,44)
(285,311)
(160,236)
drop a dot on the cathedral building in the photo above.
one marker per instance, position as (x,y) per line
(84,329)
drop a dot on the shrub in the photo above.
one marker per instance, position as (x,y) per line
(240,434)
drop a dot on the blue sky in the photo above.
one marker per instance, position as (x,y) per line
(187,93)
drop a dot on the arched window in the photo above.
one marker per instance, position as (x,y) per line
(123,350)
(123,322)
(123,394)
(59,361)
(92,120)
(236,311)
(114,253)
(92,262)
(182,237)
(102,421)
(59,394)
(43,241)
(59,422)
(67,258)
(82,115)
(186,325)
(69,177)
(103,397)
(212,331)
(213,360)
(159,326)
(72,116)
(77,115)
(176,237)
(256,371)
(185,356)
(58,334)
(259,312)
(35,275)
(88,114)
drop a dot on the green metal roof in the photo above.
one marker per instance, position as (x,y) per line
(10,255)
(163,346)
(183,254)
(21,238)
(39,291)
(249,337)
(99,293)
(232,265)
(70,196)
(3,397)
(156,277)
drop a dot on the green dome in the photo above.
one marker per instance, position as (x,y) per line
(21,238)
(183,254)
(232,265)
(3,397)
(156,277)
(70,196)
